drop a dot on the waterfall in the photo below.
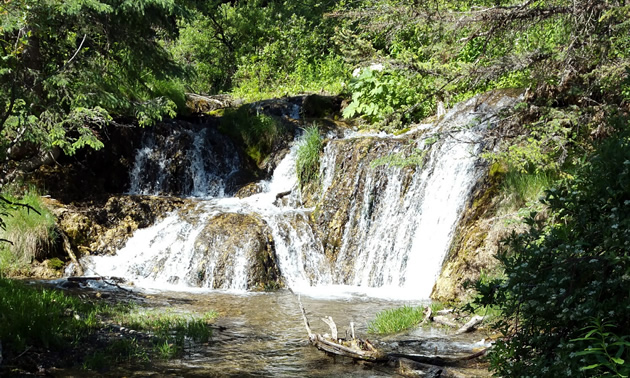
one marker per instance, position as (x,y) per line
(184,162)
(386,213)
(401,223)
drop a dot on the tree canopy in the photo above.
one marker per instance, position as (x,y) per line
(67,66)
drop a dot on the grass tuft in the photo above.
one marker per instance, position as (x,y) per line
(33,235)
(396,320)
(307,162)
(526,187)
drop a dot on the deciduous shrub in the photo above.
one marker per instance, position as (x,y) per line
(566,271)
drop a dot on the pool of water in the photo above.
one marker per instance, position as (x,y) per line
(263,335)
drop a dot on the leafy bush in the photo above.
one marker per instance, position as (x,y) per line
(259,80)
(378,94)
(605,350)
(566,271)
(307,161)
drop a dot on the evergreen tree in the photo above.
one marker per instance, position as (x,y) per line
(67,65)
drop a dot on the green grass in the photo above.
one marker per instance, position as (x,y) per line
(31,316)
(307,161)
(32,235)
(396,320)
(522,188)
(168,324)
(257,132)
(40,319)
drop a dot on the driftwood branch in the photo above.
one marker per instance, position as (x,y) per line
(364,350)
(471,325)
(67,247)
(333,327)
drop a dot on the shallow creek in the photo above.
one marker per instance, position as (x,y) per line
(263,335)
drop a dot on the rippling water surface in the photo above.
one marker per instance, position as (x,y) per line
(263,335)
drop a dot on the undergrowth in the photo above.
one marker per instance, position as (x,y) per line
(257,132)
(40,319)
(29,234)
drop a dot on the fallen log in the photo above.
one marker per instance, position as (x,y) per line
(440,360)
(354,348)
(364,350)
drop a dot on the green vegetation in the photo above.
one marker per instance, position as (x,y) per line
(262,49)
(28,229)
(169,328)
(307,161)
(41,317)
(33,318)
(68,68)
(568,270)
(396,320)
(523,190)
(257,132)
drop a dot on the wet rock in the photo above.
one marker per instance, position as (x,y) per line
(249,190)
(96,228)
(235,251)
(339,208)
(203,104)
(318,106)
(475,243)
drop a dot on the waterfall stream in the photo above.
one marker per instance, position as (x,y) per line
(394,222)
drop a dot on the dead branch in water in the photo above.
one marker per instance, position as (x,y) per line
(364,350)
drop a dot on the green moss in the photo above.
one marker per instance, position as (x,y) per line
(256,132)
(55,264)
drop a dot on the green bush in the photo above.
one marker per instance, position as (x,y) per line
(376,95)
(566,271)
(307,161)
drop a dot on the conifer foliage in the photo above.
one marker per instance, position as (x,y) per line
(67,65)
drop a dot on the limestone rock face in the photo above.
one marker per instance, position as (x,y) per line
(337,209)
(228,240)
(103,228)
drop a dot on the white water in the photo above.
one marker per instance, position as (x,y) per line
(206,170)
(395,240)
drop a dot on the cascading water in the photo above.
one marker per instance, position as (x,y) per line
(184,162)
(384,226)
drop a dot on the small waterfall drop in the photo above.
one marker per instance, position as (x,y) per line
(185,162)
(376,226)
